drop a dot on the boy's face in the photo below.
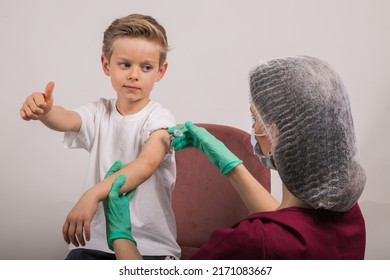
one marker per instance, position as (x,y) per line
(133,69)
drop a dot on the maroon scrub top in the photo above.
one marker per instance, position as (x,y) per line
(290,233)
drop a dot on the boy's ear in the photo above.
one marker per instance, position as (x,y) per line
(105,65)
(162,71)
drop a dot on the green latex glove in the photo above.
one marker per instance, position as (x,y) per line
(117,209)
(204,141)
(118,165)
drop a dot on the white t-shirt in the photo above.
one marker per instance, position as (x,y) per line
(109,137)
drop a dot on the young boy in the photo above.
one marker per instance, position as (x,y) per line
(131,128)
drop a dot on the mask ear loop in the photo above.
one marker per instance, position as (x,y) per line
(272,133)
(260,134)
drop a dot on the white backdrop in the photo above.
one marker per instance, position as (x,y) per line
(214,44)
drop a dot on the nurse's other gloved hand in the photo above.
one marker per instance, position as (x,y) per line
(117,212)
(204,141)
(118,165)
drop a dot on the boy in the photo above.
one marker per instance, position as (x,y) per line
(131,128)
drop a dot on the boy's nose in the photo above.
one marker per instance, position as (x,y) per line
(133,74)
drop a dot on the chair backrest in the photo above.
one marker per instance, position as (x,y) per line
(203,200)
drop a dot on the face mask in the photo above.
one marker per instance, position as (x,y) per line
(265,160)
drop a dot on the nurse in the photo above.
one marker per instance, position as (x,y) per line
(302,128)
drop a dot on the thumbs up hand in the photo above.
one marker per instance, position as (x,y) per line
(38,104)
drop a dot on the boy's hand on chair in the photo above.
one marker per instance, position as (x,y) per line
(204,141)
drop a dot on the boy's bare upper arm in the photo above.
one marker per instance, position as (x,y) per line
(156,147)
(139,170)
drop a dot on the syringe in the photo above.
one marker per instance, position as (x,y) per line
(176,133)
(179,132)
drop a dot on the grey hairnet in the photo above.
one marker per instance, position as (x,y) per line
(305,111)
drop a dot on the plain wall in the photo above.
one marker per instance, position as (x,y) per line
(214,45)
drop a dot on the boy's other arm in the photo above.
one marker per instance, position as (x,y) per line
(62,120)
(77,223)
(39,106)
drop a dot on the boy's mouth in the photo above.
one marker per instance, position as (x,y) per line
(131,88)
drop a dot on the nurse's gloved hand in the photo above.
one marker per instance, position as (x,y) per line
(118,165)
(117,213)
(204,141)
(117,209)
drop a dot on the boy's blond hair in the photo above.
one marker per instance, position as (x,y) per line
(136,26)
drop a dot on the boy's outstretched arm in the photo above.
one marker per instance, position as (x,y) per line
(76,229)
(39,106)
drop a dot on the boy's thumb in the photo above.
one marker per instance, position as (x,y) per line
(49,90)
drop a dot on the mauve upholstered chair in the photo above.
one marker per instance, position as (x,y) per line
(203,200)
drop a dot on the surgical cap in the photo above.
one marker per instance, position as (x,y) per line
(305,111)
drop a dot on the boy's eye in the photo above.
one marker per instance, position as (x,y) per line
(124,65)
(146,68)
